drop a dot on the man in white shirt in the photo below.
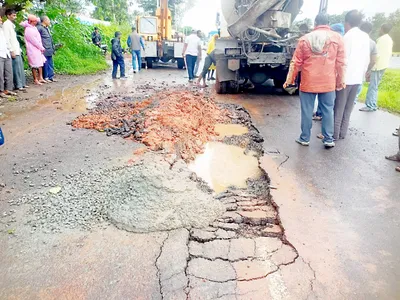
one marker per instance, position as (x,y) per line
(15,49)
(192,52)
(357,46)
(6,75)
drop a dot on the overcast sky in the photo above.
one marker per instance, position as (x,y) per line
(202,16)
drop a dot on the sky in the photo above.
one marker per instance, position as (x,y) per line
(203,15)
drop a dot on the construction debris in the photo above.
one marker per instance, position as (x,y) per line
(179,122)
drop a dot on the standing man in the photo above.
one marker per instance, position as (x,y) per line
(117,56)
(396,157)
(47,42)
(198,61)
(385,49)
(6,73)
(357,47)
(192,52)
(15,51)
(320,57)
(135,43)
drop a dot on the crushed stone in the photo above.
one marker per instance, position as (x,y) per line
(147,196)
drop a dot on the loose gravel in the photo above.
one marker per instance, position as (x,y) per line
(147,196)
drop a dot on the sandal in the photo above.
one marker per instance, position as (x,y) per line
(317,118)
(396,132)
(395,157)
(397,169)
(320,136)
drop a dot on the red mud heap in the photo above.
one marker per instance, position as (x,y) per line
(180,122)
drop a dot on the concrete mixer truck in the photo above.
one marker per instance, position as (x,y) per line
(256,43)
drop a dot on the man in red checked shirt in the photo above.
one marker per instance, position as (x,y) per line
(320,56)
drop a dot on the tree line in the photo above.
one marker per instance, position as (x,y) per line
(116,11)
(376,20)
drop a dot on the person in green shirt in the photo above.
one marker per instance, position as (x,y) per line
(385,50)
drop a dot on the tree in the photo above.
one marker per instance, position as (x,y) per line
(112,10)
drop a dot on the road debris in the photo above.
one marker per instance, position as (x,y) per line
(178,122)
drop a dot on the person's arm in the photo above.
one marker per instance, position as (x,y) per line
(31,38)
(295,64)
(199,50)
(340,66)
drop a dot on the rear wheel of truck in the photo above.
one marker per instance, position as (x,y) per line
(221,87)
(181,63)
(149,62)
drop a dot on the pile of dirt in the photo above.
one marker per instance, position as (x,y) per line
(179,122)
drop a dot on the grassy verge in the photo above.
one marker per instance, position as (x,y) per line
(389,91)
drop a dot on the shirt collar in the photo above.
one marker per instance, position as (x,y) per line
(322,27)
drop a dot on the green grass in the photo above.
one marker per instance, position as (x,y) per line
(389,91)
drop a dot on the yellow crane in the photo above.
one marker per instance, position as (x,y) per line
(161,44)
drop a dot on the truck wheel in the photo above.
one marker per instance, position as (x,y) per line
(278,83)
(149,62)
(221,87)
(181,63)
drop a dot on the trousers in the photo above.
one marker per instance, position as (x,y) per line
(18,72)
(48,68)
(6,74)
(136,60)
(190,63)
(372,95)
(121,63)
(326,104)
(343,108)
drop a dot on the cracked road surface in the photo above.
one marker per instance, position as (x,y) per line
(327,242)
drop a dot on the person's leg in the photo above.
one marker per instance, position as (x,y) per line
(348,110)
(358,93)
(134,66)
(207,64)
(372,94)
(8,75)
(2,73)
(307,101)
(139,59)
(194,66)
(395,157)
(22,70)
(35,74)
(326,104)
(122,66)
(50,67)
(41,79)
(212,74)
(16,73)
(45,69)
(115,69)
(340,104)
(190,66)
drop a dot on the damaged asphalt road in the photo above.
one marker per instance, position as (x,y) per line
(75,224)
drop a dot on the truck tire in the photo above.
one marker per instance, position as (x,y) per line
(221,87)
(149,62)
(181,63)
(278,83)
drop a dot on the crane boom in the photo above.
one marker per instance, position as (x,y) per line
(323,6)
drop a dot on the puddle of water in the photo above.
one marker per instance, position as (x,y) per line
(72,99)
(222,166)
(224,130)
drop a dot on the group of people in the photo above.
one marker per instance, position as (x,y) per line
(39,49)
(135,43)
(333,68)
(192,53)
